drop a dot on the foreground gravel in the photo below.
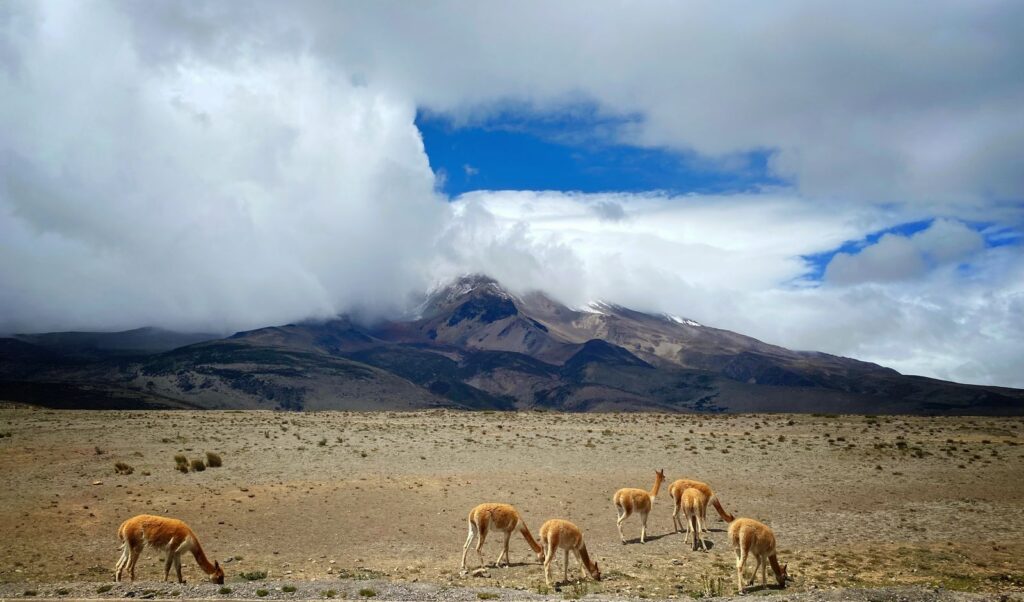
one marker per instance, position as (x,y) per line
(388,590)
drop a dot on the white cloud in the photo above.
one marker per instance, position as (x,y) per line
(723,261)
(895,257)
(195,166)
(203,195)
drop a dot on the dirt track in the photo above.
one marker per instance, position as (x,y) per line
(308,497)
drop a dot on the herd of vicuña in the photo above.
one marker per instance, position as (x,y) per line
(748,536)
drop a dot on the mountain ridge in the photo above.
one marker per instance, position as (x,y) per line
(474,345)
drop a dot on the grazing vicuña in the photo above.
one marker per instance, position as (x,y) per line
(676,490)
(751,537)
(168,534)
(557,533)
(502,517)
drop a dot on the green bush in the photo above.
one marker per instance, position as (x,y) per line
(104,589)
(288,589)
(253,575)
(261,592)
(328,593)
(224,590)
(367,592)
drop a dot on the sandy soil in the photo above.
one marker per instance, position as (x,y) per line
(855,501)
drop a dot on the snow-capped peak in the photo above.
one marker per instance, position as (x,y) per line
(596,307)
(679,320)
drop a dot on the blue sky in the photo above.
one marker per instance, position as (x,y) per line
(575,151)
(578,150)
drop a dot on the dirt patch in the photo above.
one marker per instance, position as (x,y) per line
(855,501)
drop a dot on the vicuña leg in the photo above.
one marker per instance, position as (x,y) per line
(700,527)
(643,527)
(121,563)
(481,536)
(168,563)
(565,567)
(469,542)
(549,554)
(741,559)
(177,567)
(618,523)
(504,552)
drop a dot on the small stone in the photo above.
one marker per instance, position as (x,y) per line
(97,482)
(480,572)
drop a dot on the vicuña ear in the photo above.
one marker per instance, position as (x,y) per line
(216,564)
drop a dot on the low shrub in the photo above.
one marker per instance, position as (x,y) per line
(213,460)
(198,466)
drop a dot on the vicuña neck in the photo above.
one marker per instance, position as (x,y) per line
(586,559)
(204,562)
(657,486)
(529,538)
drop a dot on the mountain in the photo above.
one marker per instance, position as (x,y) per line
(475,345)
(94,345)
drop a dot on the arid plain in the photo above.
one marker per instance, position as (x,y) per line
(855,501)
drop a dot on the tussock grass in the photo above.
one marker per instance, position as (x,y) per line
(197,465)
(122,468)
(213,460)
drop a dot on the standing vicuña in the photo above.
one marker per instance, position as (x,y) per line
(695,504)
(751,537)
(677,488)
(557,533)
(168,534)
(627,501)
(502,517)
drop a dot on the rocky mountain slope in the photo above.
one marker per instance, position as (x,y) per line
(473,344)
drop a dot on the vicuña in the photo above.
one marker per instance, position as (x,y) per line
(557,533)
(501,517)
(629,500)
(695,503)
(676,490)
(751,537)
(168,534)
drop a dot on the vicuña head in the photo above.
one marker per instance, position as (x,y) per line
(168,534)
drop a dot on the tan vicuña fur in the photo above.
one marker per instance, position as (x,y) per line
(751,537)
(695,504)
(676,490)
(557,533)
(167,534)
(499,517)
(629,500)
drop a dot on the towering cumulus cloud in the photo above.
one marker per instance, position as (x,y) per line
(202,167)
(167,185)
